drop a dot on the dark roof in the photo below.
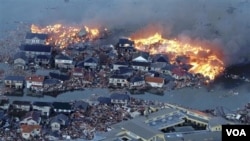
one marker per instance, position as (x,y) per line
(140,63)
(136,79)
(61,105)
(62,77)
(21,102)
(36,48)
(118,76)
(160,58)
(121,63)
(60,118)
(37,35)
(91,60)
(35,115)
(16,78)
(20,55)
(120,96)
(80,64)
(104,100)
(43,57)
(142,54)
(63,57)
(51,81)
(124,41)
(124,70)
(41,104)
(81,105)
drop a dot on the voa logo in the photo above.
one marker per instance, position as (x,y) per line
(236,132)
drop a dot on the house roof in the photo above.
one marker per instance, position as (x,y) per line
(140,129)
(136,79)
(63,57)
(59,118)
(120,96)
(104,100)
(160,58)
(81,105)
(37,35)
(178,71)
(35,115)
(142,54)
(29,128)
(21,55)
(62,77)
(35,78)
(91,60)
(36,48)
(134,63)
(118,76)
(43,57)
(154,79)
(124,41)
(51,81)
(42,104)
(124,70)
(77,70)
(61,105)
(28,103)
(121,63)
(215,121)
(14,78)
(80,64)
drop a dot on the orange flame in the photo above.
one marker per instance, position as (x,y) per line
(202,59)
(63,36)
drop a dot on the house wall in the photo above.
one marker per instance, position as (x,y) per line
(216,128)
(116,67)
(23,107)
(55,126)
(19,61)
(116,82)
(35,41)
(91,65)
(45,111)
(142,68)
(139,83)
(154,84)
(26,135)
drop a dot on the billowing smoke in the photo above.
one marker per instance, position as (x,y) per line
(225,23)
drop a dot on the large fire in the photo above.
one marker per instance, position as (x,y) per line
(62,36)
(202,60)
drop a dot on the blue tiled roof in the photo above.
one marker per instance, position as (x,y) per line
(120,96)
(12,78)
(37,35)
(104,100)
(36,48)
